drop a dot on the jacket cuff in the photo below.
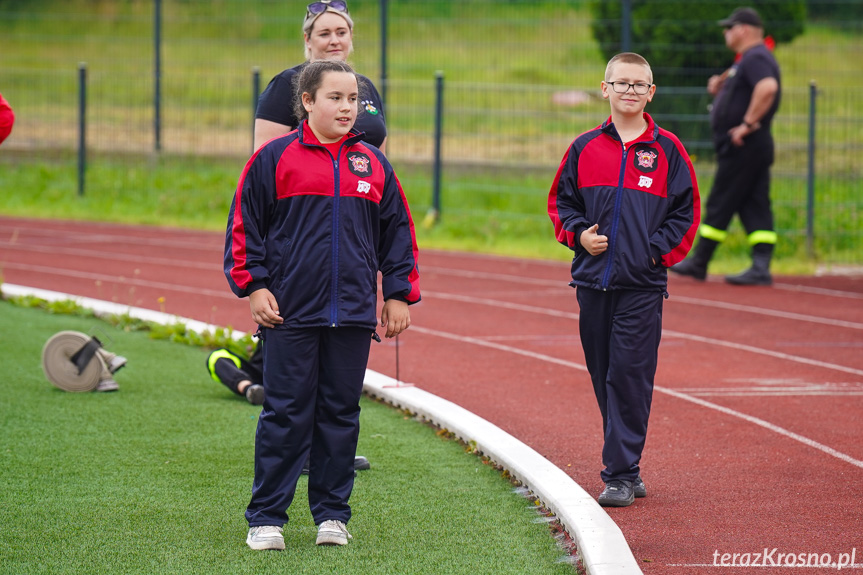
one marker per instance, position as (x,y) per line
(255,286)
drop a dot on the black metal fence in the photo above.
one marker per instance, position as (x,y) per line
(520,80)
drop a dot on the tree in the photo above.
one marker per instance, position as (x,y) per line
(684,45)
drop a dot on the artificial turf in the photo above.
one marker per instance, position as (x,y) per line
(154,478)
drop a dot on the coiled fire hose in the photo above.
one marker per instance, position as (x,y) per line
(68,361)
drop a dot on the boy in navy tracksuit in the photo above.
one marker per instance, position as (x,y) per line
(317,213)
(626,201)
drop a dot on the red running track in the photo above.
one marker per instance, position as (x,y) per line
(755,433)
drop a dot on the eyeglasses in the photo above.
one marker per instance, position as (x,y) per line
(623,87)
(321,6)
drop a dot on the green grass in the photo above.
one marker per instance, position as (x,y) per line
(155,478)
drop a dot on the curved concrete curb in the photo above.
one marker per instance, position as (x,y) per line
(601,544)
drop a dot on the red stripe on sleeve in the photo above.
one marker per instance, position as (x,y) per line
(239,274)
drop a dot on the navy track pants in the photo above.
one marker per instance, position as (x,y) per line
(313,381)
(620,332)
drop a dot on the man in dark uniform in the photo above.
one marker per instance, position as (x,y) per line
(747,97)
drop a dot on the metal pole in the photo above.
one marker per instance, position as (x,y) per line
(398,379)
(384,78)
(157,73)
(82,125)
(438,134)
(810,182)
(256,91)
(626,27)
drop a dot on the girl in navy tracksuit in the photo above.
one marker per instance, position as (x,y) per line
(317,213)
(626,201)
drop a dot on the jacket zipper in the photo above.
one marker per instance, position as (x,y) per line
(612,238)
(335,255)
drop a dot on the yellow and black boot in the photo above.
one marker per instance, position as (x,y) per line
(759,273)
(695,265)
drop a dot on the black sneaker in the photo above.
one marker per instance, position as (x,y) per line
(617,493)
(360,464)
(751,277)
(255,394)
(638,487)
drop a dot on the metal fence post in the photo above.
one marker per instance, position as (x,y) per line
(384,78)
(434,214)
(810,181)
(626,26)
(256,92)
(82,125)
(157,74)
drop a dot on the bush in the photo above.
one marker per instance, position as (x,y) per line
(682,39)
(684,46)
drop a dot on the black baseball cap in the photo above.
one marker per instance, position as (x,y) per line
(742,16)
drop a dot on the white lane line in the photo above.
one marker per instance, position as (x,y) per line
(771,393)
(509,278)
(498,347)
(674,298)
(767,312)
(762,351)
(171,238)
(499,304)
(665,332)
(565,281)
(684,396)
(765,424)
(782,388)
(107,255)
(125,281)
(817,290)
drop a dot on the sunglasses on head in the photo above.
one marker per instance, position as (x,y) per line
(320,7)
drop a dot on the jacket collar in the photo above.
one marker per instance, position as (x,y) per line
(307,136)
(649,135)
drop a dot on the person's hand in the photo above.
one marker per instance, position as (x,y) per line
(395,316)
(594,243)
(714,83)
(265,309)
(738,133)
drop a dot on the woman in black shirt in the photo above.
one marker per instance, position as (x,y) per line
(328,34)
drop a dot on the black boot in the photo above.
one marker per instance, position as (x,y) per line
(695,266)
(759,273)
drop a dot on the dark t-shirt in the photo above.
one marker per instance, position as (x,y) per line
(733,98)
(276,104)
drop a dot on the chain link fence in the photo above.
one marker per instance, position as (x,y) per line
(521,80)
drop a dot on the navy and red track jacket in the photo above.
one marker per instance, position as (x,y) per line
(315,230)
(644,196)
(7,118)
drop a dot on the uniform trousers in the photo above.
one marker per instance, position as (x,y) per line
(742,185)
(313,380)
(620,332)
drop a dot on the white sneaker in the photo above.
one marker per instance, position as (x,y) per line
(107,385)
(333,532)
(116,363)
(265,537)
